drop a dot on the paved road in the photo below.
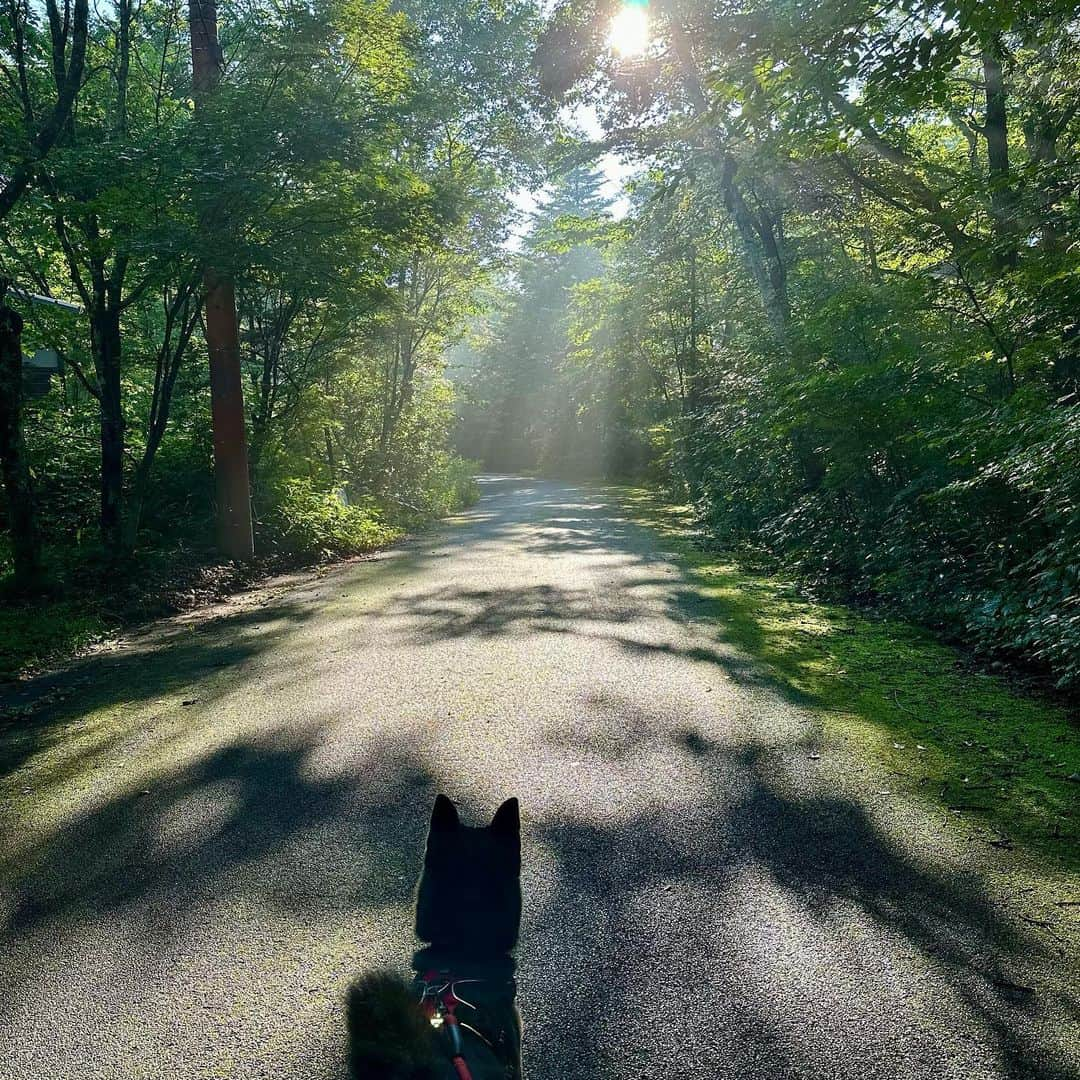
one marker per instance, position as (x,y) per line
(209,831)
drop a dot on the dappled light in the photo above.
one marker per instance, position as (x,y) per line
(700,847)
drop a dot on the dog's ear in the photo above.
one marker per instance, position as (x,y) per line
(507,822)
(444,815)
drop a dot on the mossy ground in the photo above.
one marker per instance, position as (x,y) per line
(979,747)
(32,636)
(78,610)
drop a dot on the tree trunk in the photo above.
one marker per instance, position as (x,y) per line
(235,536)
(331,457)
(760,244)
(170,357)
(995,129)
(22,520)
(140,483)
(68,77)
(108,348)
(693,365)
(769,275)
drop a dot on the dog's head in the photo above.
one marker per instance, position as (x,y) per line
(470,890)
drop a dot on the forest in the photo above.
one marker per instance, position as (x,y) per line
(540,538)
(348,176)
(835,309)
(840,315)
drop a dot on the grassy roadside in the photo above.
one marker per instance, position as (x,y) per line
(34,636)
(88,599)
(98,604)
(979,747)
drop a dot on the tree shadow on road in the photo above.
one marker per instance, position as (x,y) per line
(57,710)
(258,838)
(986,751)
(247,804)
(452,612)
(702,973)
(643,945)
(649,936)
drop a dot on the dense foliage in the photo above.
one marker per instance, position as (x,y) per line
(841,314)
(349,173)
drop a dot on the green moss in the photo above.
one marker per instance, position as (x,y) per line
(979,747)
(32,636)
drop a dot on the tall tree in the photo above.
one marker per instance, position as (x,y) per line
(222,329)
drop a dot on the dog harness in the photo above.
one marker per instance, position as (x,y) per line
(439,1000)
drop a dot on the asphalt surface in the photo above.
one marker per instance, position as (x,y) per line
(209,831)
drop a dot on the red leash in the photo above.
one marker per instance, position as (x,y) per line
(450,1019)
(440,1004)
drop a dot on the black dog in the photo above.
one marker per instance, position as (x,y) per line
(457,1018)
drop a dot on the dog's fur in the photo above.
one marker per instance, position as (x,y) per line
(468,910)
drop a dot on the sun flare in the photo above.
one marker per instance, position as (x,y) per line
(629,34)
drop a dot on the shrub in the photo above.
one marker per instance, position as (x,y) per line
(304,520)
